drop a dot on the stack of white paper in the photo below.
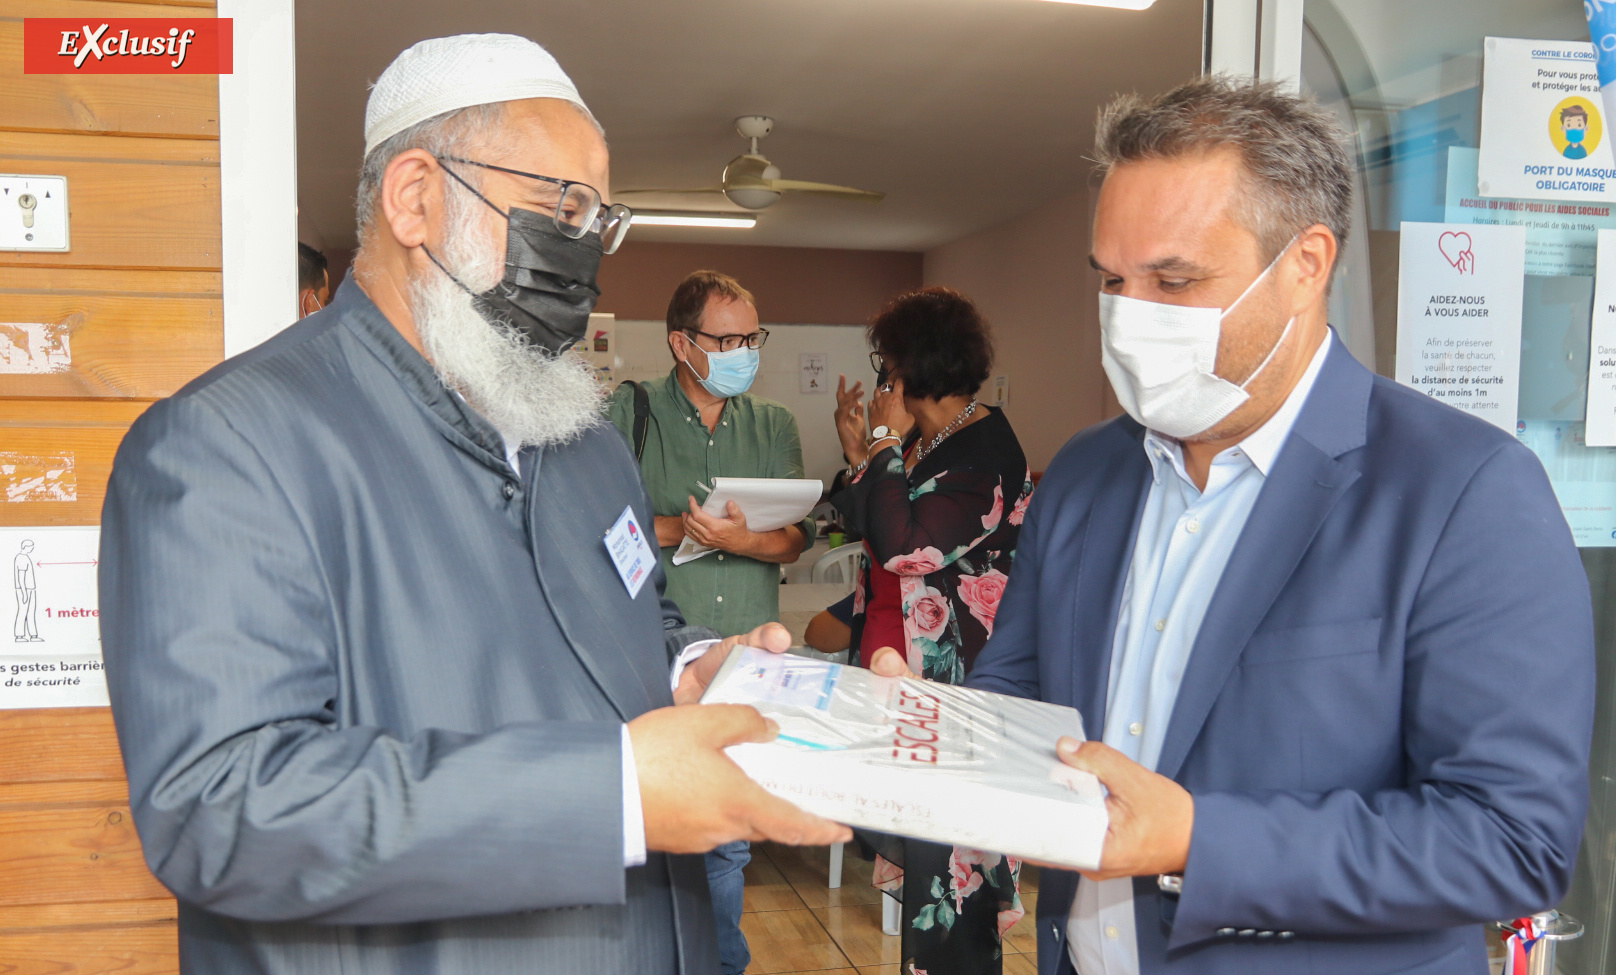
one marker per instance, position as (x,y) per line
(919,759)
(767,502)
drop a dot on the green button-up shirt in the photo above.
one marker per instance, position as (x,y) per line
(755,437)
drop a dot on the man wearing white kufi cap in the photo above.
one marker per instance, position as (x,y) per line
(388,655)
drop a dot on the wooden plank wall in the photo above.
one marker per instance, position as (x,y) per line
(138,298)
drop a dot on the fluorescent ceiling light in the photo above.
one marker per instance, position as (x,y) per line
(732,221)
(1121,4)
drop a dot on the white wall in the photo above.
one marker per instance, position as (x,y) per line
(258,173)
(641,351)
(1031,279)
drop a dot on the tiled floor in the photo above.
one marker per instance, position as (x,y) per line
(796,924)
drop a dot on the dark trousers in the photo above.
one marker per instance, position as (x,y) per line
(728,887)
(1066,967)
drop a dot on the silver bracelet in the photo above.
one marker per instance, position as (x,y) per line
(853,472)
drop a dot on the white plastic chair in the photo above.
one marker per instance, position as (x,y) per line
(891,907)
(840,564)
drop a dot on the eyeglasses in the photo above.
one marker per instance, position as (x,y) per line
(729,343)
(876,363)
(576,207)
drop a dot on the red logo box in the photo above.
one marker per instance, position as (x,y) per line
(126,45)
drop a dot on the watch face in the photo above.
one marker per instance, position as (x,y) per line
(880,432)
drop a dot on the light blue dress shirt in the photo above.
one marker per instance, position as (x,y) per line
(1185,538)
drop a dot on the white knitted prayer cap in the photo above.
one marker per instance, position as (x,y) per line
(447,73)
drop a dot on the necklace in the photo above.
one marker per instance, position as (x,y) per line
(955,424)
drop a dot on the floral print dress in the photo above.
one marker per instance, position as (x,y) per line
(942,539)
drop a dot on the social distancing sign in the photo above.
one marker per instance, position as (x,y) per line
(1459,294)
(53,656)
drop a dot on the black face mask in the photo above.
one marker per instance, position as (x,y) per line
(549,286)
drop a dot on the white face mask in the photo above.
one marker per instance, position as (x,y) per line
(1160,360)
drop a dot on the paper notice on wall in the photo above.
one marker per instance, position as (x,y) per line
(1459,316)
(1560,236)
(812,369)
(1600,430)
(599,346)
(997,391)
(53,658)
(1583,477)
(1543,129)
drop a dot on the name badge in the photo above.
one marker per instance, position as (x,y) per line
(630,552)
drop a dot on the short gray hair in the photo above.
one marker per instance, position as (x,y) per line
(1297,168)
(464,132)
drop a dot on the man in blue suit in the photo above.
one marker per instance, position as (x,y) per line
(1333,635)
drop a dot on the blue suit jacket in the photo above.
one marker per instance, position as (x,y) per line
(1386,717)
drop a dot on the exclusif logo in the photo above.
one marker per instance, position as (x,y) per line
(127,45)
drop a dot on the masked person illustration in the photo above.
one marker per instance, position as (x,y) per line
(1574,122)
(25,628)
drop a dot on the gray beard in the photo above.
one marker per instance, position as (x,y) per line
(530,396)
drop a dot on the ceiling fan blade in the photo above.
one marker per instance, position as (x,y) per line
(824,189)
(681,189)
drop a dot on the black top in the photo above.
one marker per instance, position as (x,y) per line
(947,530)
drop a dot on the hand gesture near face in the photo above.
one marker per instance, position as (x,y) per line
(887,409)
(850,428)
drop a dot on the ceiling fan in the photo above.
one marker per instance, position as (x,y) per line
(751,181)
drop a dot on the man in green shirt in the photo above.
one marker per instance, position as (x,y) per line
(703,424)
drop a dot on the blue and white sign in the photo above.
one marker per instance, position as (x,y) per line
(1544,133)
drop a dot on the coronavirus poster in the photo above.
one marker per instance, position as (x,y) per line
(1459,293)
(1544,135)
(53,658)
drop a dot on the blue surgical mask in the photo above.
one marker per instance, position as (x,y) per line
(1575,135)
(728,373)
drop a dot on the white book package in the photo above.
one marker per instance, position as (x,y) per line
(915,758)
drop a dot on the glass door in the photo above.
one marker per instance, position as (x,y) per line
(1407,81)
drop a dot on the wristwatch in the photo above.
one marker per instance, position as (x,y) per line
(1171,884)
(877,435)
(880,433)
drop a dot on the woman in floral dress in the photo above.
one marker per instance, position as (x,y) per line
(938,490)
